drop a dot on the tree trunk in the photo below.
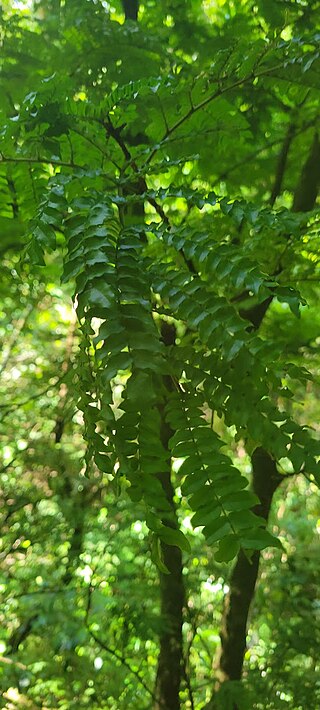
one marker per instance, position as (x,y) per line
(308,186)
(130,9)
(244,576)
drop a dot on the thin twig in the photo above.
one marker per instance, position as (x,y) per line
(41,160)
(5,659)
(18,328)
(219,92)
(90,140)
(15,405)
(113,652)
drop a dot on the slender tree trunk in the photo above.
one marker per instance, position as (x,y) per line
(130,9)
(282,164)
(265,481)
(308,185)
(244,576)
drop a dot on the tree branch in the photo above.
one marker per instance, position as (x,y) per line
(282,164)
(307,189)
(219,92)
(18,328)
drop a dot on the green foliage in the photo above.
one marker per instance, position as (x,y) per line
(140,170)
(287,650)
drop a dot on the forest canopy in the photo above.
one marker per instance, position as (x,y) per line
(159,374)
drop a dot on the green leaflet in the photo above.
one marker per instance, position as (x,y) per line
(157,556)
(173,536)
(228,548)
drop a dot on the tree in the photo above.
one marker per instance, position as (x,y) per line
(171,177)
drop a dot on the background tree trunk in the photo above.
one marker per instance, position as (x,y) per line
(131,9)
(243,579)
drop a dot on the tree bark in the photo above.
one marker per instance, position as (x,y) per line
(308,186)
(282,164)
(244,576)
(131,9)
